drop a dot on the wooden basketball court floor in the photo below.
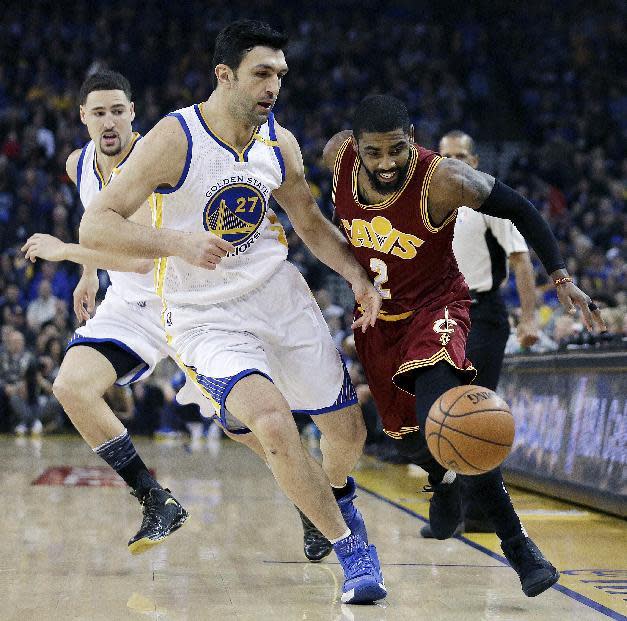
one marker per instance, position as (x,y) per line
(64,555)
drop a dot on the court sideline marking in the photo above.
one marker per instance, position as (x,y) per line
(578,597)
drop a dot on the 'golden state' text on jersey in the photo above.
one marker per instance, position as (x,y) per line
(226,192)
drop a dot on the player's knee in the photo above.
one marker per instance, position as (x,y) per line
(62,390)
(272,427)
(74,391)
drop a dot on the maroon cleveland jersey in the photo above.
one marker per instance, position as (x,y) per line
(410,260)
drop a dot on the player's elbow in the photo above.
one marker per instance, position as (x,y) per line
(88,233)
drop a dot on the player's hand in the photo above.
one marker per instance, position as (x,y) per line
(45,247)
(85,296)
(527,332)
(572,297)
(369,301)
(205,250)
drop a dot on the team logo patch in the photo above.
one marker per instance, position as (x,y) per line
(444,327)
(235,213)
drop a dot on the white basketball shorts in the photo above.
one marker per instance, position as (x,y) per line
(276,331)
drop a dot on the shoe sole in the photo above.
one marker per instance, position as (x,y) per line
(540,587)
(145,543)
(365,595)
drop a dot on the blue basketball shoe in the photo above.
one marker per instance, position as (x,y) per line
(363,580)
(350,512)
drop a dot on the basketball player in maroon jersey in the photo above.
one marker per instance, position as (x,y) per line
(396,204)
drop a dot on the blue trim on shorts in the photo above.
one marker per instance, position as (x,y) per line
(277,150)
(220,387)
(347,396)
(188,156)
(78,339)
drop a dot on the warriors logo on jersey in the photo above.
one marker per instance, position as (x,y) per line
(235,213)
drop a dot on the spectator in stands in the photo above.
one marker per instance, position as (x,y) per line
(16,372)
(44,307)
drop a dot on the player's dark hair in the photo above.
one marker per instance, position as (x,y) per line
(238,38)
(104,80)
(458,134)
(380,113)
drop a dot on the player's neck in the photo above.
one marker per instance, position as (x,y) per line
(106,163)
(222,123)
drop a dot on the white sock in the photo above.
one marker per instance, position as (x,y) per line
(346,534)
(449,477)
(340,486)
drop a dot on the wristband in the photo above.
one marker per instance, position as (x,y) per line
(562,281)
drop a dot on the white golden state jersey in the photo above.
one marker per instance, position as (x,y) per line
(226,192)
(131,286)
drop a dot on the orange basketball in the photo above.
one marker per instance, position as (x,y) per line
(470,429)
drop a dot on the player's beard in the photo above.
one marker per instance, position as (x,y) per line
(387,188)
(110,151)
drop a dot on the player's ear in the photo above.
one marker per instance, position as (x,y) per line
(132,111)
(81,111)
(411,134)
(354,144)
(224,74)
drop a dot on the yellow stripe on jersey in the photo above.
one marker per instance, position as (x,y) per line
(275,225)
(440,355)
(193,376)
(424,199)
(161,263)
(336,166)
(266,141)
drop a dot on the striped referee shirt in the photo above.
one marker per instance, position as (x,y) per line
(482,245)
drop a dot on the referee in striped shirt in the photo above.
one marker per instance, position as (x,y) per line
(485,247)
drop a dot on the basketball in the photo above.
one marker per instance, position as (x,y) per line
(470,430)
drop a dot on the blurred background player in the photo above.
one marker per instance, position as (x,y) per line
(124,340)
(396,203)
(483,246)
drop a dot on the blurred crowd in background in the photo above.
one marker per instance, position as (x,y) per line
(539,86)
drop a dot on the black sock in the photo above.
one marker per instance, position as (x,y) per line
(121,455)
(138,477)
(490,493)
(340,492)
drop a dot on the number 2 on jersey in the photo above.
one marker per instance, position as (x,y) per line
(381,270)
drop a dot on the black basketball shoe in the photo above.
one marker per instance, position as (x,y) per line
(535,572)
(163,514)
(315,545)
(445,508)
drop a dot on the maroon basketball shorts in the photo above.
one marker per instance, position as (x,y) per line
(393,350)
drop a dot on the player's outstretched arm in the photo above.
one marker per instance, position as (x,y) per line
(50,248)
(321,237)
(454,184)
(157,160)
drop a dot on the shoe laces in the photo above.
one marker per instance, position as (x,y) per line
(360,564)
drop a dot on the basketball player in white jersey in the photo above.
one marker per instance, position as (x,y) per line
(124,340)
(241,318)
